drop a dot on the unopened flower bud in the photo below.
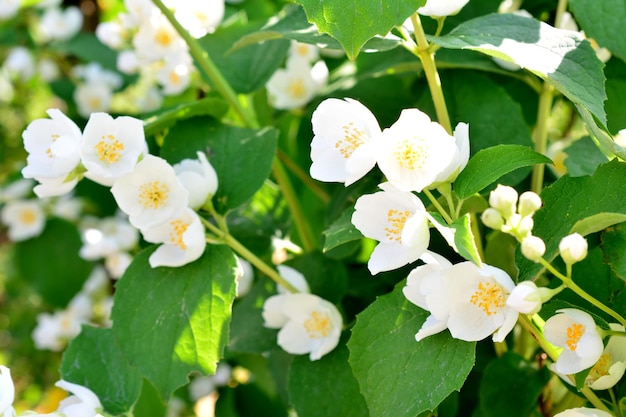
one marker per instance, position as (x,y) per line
(525,226)
(525,298)
(573,248)
(533,248)
(492,218)
(504,199)
(529,202)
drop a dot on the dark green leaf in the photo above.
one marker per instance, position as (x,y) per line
(559,56)
(397,375)
(354,22)
(326,277)
(171,321)
(511,386)
(341,231)
(583,157)
(325,387)
(600,21)
(88,48)
(167,118)
(94,360)
(599,134)
(43,261)
(614,245)
(489,164)
(459,236)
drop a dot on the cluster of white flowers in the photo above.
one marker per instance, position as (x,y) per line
(94,88)
(148,44)
(92,305)
(303,76)
(83,402)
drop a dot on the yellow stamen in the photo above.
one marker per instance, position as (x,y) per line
(163,37)
(153,194)
(318,325)
(178,230)
(489,298)
(109,149)
(296,89)
(410,154)
(28,217)
(396,220)
(353,137)
(574,333)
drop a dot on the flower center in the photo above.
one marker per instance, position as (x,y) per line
(296,89)
(109,149)
(396,220)
(574,333)
(410,154)
(28,217)
(179,228)
(302,49)
(54,138)
(318,325)
(174,77)
(94,102)
(353,137)
(163,37)
(601,368)
(153,194)
(489,298)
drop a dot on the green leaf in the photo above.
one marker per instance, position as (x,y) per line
(291,23)
(600,21)
(327,278)
(397,375)
(246,69)
(614,245)
(489,164)
(341,231)
(597,222)
(570,200)
(583,157)
(53,277)
(94,360)
(459,236)
(325,387)
(561,57)
(241,157)
(510,386)
(171,321)
(88,48)
(599,134)
(168,117)
(354,22)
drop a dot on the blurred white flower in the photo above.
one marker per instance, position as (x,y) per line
(199,178)
(8,8)
(416,151)
(106,237)
(294,277)
(345,141)
(93,72)
(111,147)
(139,11)
(583,412)
(152,194)
(67,207)
(150,100)
(111,33)
(439,8)
(307,323)
(295,85)
(467,300)
(54,331)
(20,62)
(244,277)
(398,220)
(48,69)
(611,366)
(182,240)
(84,403)
(117,263)
(157,38)
(24,218)
(59,25)
(175,75)
(199,17)
(92,97)
(304,51)
(16,190)
(7,393)
(574,331)
(127,62)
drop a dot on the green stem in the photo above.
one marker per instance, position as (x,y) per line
(302,226)
(438,206)
(302,176)
(561,8)
(235,245)
(208,67)
(540,136)
(582,293)
(427,57)
(551,351)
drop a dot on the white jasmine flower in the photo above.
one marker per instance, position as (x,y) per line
(573,248)
(150,100)
(48,70)
(244,276)
(95,73)
(67,207)
(157,38)
(574,331)
(611,366)
(307,323)
(97,282)
(199,17)
(117,263)
(111,147)
(54,331)
(201,387)
(583,412)
(526,298)
(199,178)
(345,141)
(304,51)
(416,151)
(533,248)
(127,62)
(60,25)
(139,11)
(440,8)
(460,157)
(175,75)
(20,62)
(24,218)
(151,195)
(467,300)
(294,277)
(7,393)
(111,33)
(92,97)
(84,403)
(504,199)
(16,190)
(182,237)
(398,220)
(296,84)
(8,8)
(106,237)
(53,147)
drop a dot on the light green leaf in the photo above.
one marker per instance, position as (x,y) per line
(599,134)
(459,236)
(601,20)
(168,117)
(241,157)
(489,164)
(570,200)
(561,57)
(53,277)
(341,231)
(94,360)
(354,22)
(171,321)
(325,387)
(397,375)
(597,222)
(583,157)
